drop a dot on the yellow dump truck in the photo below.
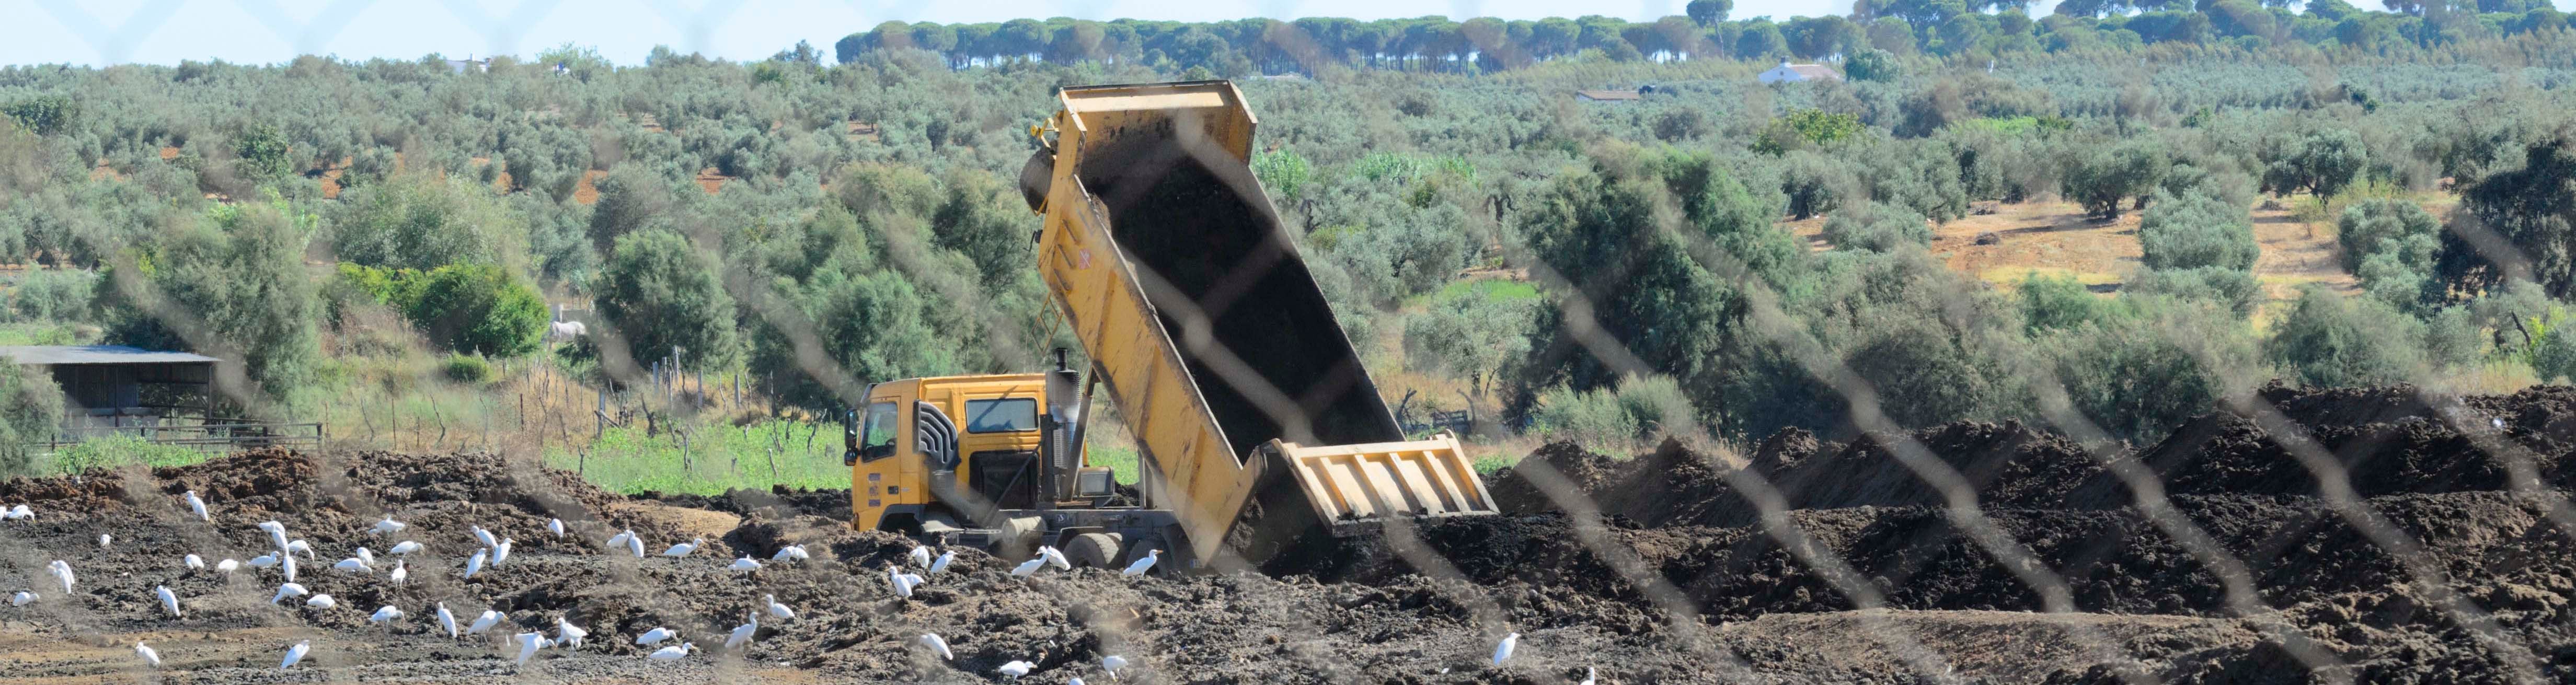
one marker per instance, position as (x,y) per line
(1259,430)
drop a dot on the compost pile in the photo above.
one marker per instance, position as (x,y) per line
(1662,569)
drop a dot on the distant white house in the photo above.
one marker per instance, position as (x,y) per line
(1792,73)
(467,66)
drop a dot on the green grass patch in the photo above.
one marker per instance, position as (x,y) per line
(1503,289)
(1494,463)
(712,459)
(122,450)
(1121,460)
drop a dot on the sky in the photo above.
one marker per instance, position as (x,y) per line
(98,32)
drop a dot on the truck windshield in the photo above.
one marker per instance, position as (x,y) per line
(876,434)
(1002,415)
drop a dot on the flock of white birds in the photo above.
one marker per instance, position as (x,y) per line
(492,552)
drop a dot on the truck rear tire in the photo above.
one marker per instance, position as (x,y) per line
(1096,550)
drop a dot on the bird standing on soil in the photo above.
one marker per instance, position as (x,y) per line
(21,598)
(193,562)
(484,536)
(62,572)
(354,565)
(228,566)
(385,613)
(776,609)
(404,547)
(322,601)
(1077,680)
(529,643)
(635,544)
(474,564)
(672,653)
(920,556)
(103,539)
(198,507)
(301,546)
(1588,675)
(500,552)
(400,572)
(945,558)
(555,526)
(366,556)
(1028,567)
(1016,668)
(285,590)
(789,553)
(263,561)
(389,525)
(619,540)
(1112,663)
(568,634)
(276,534)
(745,564)
(446,620)
(295,654)
(654,636)
(1054,558)
(1142,565)
(150,658)
(485,622)
(19,512)
(683,549)
(902,582)
(935,644)
(1504,650)
(742,634)
(287,563)
(169,600)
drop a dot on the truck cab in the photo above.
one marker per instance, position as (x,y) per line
(947,453)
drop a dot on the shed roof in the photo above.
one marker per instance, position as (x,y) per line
(64,355)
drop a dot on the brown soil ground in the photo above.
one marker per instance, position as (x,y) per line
(1676,579)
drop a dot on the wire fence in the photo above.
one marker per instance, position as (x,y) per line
(1962,506)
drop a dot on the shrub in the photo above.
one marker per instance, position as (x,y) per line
(55,294)
(1878,228)
(2140,377)
(2194,231)
(2233,290)
(2050,303)
(466,368)
(660,293)
(2101,180)
(2320,163)
(2328,340)
(479,309)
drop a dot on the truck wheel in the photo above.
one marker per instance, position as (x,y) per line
(1095,550)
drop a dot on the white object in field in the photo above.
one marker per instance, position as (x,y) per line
(198,507)
(484,536)
(295,654)
(276,534)
(21,598)
(400,572)
(745,564)
(389,525)
(18,512)
(920,556)
(228,565)
(301,546)
(193,562)
(1504,650)
(562,331)
(447,620)
(103,539)
(367,556)
(169,600)
(789,553)
(555,526)
(500,552)
(654,636)
(619,540)
(1054,558)
(936,644)
(528,645)
(150,658)
(903,582)
(286,563)
(1588,675)
(1142,565)
(673,653)
(568,634)
(1016,668)
(776,609)
(1028,567)
(945,558)
(1077,680)
(742,634)
(683,549)
(354,564)
(322,601)
(635,543)
(485,622)
(404,547)
(263,561)
(1112,663)
(385,613)
(62,572)
(474,564)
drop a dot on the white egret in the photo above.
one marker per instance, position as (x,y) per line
(446,620)
(569,634)
(389,525)
(400,572)
(683,549)
(745,564)
(404,547)
(322,601)
(169,600)
(1588,675)
(619,540)
(1054,558)
(742,634)
(354,565)
(1077,680)
(654,636)
(21,598)
(295,654)
(776,609)
(935,644)
(63,572)
(1504,650)
(150,658)
(1142,565)
(1112,663)
(103,539)
(945,558)
(263,561)
(528,644)
(474,564)
(366,556)
(198,507)
(485,622)
(790,553)
(301,546)
(1016,668)
(385,613)
(228,565)
(1028,567)
(286,563)
(920,556)
(500,552)
(18,512)
(285,590)
(193,562)
(484,536)
(902,582)
(555,526)
(672,653)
